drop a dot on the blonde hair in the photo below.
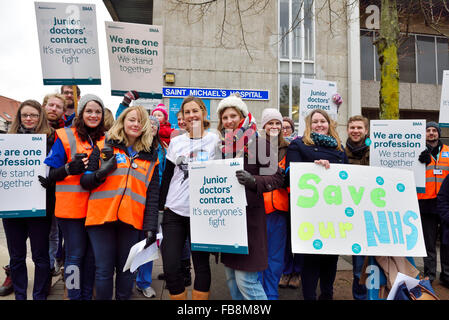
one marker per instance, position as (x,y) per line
(332,128)
(144,141)
(55,95)
(108,119)
(42,125)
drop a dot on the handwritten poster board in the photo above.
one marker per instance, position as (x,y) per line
(354,210)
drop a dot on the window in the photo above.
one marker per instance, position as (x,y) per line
(422,58)
(296,52)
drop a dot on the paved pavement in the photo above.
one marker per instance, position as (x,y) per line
(219,289)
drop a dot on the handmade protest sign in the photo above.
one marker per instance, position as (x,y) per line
(444,101)
(21,162)
(354,210)
(68,43)
(135,54)
(217,207)
(316,94)
(398,144)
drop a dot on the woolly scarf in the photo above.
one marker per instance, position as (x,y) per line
(324,140)
(357,151)
(235,142)
(22,129)
(57,124)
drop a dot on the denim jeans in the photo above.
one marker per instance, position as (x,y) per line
(111,244)
(277,237)
(244,285)
(79,265)
(17,230)
(54,241)
(358,290)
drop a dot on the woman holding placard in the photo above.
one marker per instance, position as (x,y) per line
(240,139)
(30,119)
(67,160)
(197,144)
(320,144)
(123,200)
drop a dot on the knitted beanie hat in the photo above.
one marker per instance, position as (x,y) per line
(434,125)
(85,99)
(269,114)
(233,101)
(161,107)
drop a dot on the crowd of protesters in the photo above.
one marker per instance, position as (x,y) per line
(111,182)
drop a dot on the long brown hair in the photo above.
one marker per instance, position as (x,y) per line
(42,126)
(84,132)
(332,128)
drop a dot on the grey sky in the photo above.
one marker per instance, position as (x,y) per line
(20,66)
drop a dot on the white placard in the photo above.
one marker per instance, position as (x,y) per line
(444,102)
(21,162)
(398,144)
(217,207)
(316,94)
(136,58)
(354,210)
(68,43)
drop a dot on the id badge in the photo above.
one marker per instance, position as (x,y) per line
(437,171)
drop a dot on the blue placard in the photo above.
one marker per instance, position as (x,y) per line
(175,106)
(214,93)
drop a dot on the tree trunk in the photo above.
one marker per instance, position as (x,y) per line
(387,50)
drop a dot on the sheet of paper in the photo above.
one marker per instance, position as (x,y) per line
(409,282)
(138,255)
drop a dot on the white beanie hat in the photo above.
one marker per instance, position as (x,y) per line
(270,114)
(233,101)
(85,99)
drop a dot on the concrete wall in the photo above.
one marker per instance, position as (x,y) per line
(412,96)
(192,50)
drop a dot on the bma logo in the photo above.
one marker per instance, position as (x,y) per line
(36,138)
(417,124)
(233,164)
(87,9)
(153,30)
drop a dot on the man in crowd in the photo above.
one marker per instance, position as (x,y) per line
(358,153)
(436,158)
(55,107)
(67,91)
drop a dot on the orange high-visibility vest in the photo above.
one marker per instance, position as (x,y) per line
(71,198)
(433,178)
(122,196)
(276,199)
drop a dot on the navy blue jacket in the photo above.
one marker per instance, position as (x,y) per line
(443,210)
(299,152)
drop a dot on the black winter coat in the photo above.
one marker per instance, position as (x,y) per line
(257,259)
(443,210)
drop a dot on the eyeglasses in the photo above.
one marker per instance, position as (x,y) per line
(286,128)
(29,115)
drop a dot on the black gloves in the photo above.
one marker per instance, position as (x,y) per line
(246,178)
(107,166)
(424,157)
(151,238)
(76,166)
(130,96)
(44,182)
(94,159)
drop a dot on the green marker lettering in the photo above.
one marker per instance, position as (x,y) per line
(332,195)
(376,195)
(356,195)
(327,232)
(306,231)
(308,202)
